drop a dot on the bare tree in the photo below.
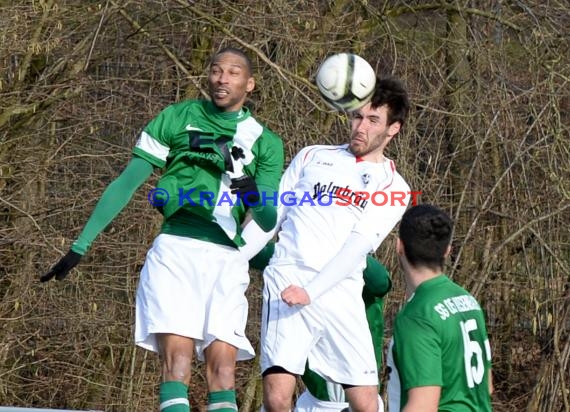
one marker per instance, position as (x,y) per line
(487,141)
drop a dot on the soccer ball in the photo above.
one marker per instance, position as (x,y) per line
(346,81)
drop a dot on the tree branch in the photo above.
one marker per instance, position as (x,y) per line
(165,49)
(449,7)
(284,73)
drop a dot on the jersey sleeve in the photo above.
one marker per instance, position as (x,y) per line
(153,144)
(267,175)
(339,267)
(417,353)
(114,199)
(377,280)
(256,246)
(379,220)
(270,162)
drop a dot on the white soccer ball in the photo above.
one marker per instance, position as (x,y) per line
(346,81)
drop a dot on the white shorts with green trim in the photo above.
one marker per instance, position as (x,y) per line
(195,289)
(332,332)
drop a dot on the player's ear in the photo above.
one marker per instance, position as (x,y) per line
(250,85)
(394,128)
(447,251)
(399,247)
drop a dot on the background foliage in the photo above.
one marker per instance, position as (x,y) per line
(487,140)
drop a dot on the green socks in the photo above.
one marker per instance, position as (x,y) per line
(222,401)
(173,397)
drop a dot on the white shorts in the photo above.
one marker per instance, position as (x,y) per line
(308,403)
(331,333)
(196,289)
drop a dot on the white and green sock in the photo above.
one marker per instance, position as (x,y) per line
(222,401)
(173,397)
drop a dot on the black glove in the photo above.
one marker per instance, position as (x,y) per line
(62,268)
(246,189)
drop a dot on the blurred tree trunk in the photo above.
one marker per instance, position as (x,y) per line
(458,127)
(458,83)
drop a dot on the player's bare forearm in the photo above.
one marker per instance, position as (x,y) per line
(295,295)
(423,399)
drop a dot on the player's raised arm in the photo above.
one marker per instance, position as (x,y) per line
(260,191)
(353,251)
(114,199)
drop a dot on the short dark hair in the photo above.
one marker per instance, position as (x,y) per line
(391,92)
(237,52)
(425,232)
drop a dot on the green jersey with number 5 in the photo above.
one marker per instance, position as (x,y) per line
(440,339)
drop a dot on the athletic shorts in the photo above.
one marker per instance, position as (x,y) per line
(196,289)
(331,333)
(308,403)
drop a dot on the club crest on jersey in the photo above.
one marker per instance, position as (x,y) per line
(365,178)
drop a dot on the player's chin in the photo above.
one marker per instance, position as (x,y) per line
(221,102)
(357,148)
(224,102)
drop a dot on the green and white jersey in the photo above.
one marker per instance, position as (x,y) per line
(440,339)
(193,141)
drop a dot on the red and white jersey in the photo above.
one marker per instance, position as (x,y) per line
(325,194)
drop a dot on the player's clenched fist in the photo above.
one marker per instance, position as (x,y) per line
(62,268)
(295,295)
(246,189)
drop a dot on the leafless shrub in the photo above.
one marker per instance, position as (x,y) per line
(487,140)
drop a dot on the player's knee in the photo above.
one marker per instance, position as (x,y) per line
(276,402)
(363,407)
(177,366)
(221,376)
(278,385)
(362,399)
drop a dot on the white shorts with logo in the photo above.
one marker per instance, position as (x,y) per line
(196,289)
(331,333)
(308,403)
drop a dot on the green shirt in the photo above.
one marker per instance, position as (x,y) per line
(440,339)
(193,141)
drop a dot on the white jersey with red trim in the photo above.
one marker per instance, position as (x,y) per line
(325,194)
